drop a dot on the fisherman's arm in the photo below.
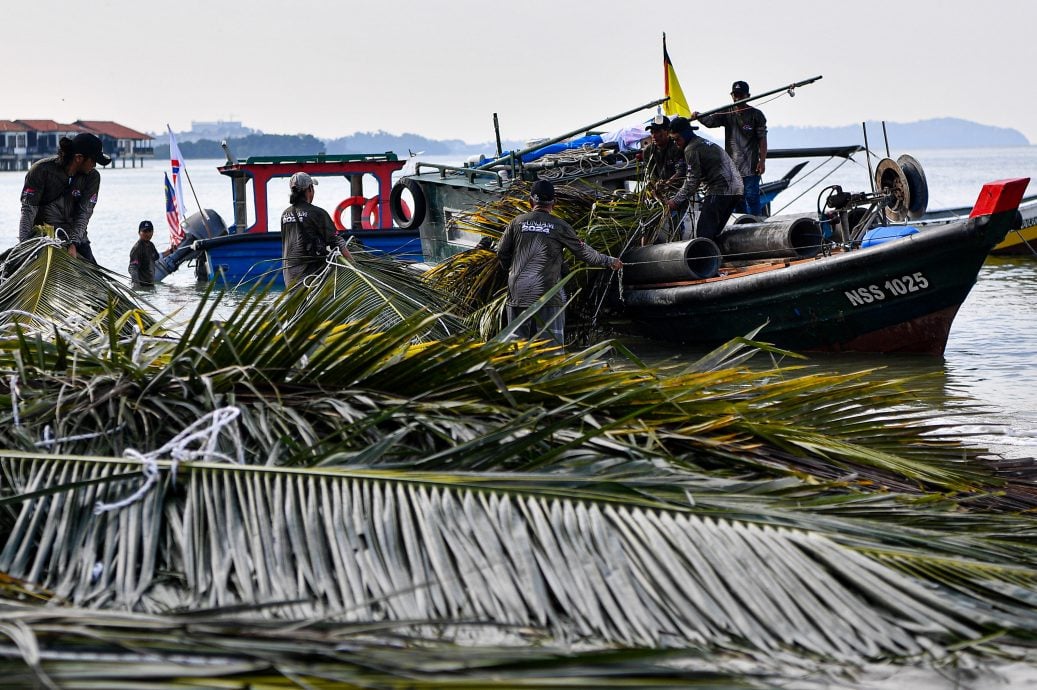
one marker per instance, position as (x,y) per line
(32,191)
(85,208)
(761,132)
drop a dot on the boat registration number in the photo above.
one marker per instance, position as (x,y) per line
(894,287)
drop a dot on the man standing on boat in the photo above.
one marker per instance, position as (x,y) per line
(307,232)
(664,171)
(531,252)
(708,166)
(62,191)
(745,140)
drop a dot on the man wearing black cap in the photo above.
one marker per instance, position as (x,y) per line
(745,139)
(143,256)
(62,191)
(307,232)
(531,252)
(708,166)
(663,159)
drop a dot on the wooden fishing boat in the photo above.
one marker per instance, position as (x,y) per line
(900,294)
(251,251)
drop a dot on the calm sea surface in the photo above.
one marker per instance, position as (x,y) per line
(991,358)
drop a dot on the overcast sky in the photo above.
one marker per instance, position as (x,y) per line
(442,68)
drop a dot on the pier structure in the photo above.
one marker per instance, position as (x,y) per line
(23,142)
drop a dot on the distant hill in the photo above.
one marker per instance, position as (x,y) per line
(935,133)
(945,132)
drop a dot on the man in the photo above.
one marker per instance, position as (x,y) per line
(709,166)
(663,159)
(531,252)
(62,191)
(306,232)
(143,256)
(745,139)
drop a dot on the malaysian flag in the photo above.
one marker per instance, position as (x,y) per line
(176,233)
(176,162)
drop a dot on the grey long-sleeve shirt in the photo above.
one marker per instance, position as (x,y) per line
(531,250)
(51,197)
(710,166)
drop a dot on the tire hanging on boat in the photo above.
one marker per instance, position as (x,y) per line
(397,206)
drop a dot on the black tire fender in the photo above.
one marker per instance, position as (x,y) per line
(396,205)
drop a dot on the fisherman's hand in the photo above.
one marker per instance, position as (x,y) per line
(760,167)
(72,251)
(485,243)
(346,255)
(616,264)
(671,205)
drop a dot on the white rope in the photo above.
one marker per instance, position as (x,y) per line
(205,431)
(14,400)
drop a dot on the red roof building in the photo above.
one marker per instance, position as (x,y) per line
(25,141)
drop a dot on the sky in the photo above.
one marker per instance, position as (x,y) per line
(442,68)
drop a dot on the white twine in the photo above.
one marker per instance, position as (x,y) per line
(14,400)
(204,431)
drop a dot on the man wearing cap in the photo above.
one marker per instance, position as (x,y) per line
(708,166)
(307,232)
(745,139)
(531,252)
(663,159)
(62,191)
(143,256)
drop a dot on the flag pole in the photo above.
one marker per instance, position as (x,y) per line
(183,166)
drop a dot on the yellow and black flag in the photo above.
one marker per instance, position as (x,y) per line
(677,105)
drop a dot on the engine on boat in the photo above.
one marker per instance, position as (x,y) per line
(900,194)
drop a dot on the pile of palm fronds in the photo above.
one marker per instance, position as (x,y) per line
(335,455)
(611,222)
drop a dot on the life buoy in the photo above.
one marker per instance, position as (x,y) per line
(369,217)
(343,205)
(400,214)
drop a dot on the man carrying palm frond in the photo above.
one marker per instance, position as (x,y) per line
(531,252)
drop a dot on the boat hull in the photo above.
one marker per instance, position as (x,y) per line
(256,257)
(900,296)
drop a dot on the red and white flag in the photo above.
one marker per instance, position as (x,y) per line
(176,162)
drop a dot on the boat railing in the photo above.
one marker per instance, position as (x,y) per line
(470,173)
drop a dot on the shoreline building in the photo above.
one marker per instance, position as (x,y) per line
(23,142)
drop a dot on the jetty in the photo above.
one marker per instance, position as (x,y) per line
(23,142)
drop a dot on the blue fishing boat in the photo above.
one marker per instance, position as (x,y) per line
(251,251)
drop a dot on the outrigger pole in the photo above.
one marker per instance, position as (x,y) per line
(512,155)
(787,87)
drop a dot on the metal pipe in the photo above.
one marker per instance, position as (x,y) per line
(785,238)
(787,87)
(518,154)
(496,131)
(867,155)
(885,138)
(671,262)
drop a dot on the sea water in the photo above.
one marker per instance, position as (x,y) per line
(991,357)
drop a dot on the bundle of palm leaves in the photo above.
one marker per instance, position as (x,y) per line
(428,489)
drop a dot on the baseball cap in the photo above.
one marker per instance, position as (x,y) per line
(658,122)
(90,146)
(145,225)
(543,192)
(680,124)
(301,181)
(740,87)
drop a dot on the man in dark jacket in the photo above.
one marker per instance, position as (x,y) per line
(708,166)
(143,256)
(745,140)
(62,191)
(531,252)
(307,232)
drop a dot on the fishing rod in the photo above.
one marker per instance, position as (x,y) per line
(512,155)
(727,108)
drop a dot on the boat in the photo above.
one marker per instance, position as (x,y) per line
(251,251)
(437,193)
(1019,241)
(895,289)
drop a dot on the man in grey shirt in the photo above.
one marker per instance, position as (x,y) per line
(306,232)
(708,166)
(531,252)
(745,139)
